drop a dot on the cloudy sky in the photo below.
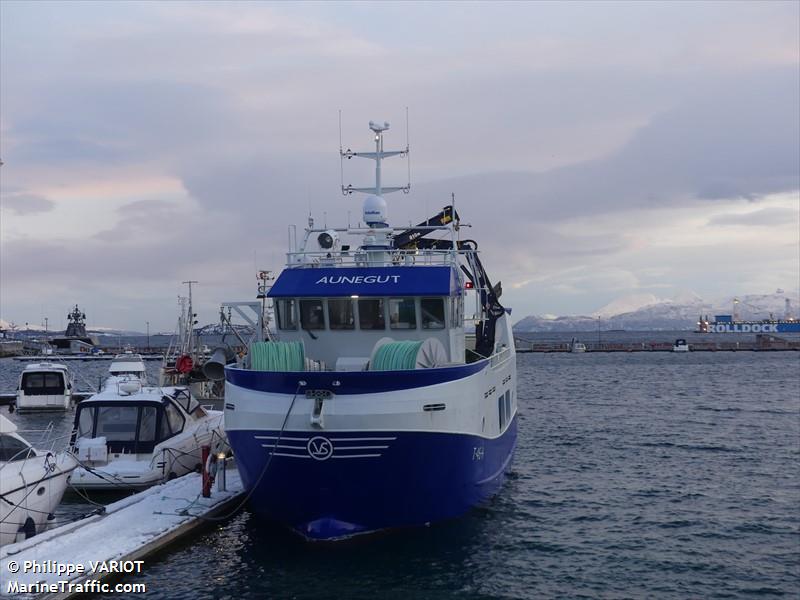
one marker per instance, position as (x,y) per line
(598,150)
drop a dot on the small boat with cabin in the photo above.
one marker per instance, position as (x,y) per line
(44,387)
(681,346)
(127,366)
(576,346)
(32,483)
(132,436)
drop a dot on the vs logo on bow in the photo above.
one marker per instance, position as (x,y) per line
(320,448)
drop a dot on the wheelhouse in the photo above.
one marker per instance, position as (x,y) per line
(337,310)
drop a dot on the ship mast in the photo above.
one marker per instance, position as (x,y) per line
(377,242)
(378,190)
(188,337)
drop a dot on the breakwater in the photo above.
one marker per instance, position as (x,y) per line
(761,342)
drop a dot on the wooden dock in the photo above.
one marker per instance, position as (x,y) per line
(129,530)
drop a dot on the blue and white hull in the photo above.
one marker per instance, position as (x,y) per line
(386,450)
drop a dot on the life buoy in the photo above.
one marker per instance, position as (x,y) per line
(184,364)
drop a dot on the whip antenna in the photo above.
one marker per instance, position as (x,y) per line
(408,157)
(341,153)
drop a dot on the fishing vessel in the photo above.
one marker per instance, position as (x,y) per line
(185,358)
(44,387)
(372,409)
(32,483)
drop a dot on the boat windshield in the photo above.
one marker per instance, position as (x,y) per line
(12,448)
(42,384)
(123,373)
(127,365)
(126,427)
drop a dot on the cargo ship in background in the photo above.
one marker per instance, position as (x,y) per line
(733,324)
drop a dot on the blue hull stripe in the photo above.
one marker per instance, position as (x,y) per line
(356,382)
(404,479)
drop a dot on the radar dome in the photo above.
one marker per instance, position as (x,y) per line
(375,211)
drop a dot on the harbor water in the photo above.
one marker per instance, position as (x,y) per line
(638,475)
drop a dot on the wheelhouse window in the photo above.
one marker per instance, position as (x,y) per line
(340,313)
(287,314)
(402,313)
(42,384)
(311,314)
(12,448)
(456,312)
(432,311)
(371,313)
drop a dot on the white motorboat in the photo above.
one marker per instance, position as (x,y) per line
(32,483)
(576,346)
(126,366)
(132,436)
(44,387)
(680,346)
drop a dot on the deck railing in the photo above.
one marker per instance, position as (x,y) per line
(372,258)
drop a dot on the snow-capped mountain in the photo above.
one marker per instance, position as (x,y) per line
(626,304)
(646,312)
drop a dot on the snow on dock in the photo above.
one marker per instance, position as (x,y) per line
(130,529)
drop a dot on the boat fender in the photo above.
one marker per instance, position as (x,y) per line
(209,472)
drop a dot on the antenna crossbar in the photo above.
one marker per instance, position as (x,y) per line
(349,189)
(378,155)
